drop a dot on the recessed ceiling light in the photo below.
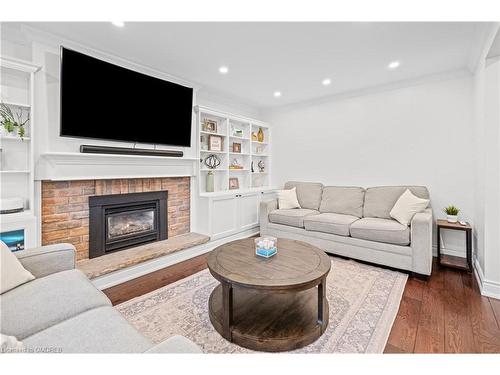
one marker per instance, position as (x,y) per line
(223,69)
(326,81)
(118,23)
(393,64)
(277,94)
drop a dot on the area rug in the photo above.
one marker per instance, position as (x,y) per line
(364,301)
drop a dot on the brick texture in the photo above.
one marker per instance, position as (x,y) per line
(65,206)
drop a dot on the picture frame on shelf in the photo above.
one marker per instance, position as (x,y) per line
(237,147)
(234,183)
(210,125)
(215,143)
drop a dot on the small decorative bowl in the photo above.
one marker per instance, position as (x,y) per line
(266,246)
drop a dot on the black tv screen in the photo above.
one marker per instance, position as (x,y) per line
(105,101)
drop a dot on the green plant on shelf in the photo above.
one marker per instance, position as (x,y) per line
(451,210)
(14,123)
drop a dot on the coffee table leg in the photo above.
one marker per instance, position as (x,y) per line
(227,306)
(321,300)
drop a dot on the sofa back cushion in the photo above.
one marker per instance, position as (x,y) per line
(308,193)
(343,200)
(379,200)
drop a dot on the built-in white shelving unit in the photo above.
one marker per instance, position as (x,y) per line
(252,151)
(232,212)
(17,155)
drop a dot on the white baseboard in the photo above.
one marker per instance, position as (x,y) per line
(488,288)
(129,273)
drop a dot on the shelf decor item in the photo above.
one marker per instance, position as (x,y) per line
(215,143)
(451,213)
(212,162)
(234,183)
(210,182)
(235,164)
(14,123)
(209,125)
(237,147)
(254,136)
(260,135)
(266,247)
(203,142)
(262,166)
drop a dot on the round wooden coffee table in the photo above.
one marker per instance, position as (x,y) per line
(269,304)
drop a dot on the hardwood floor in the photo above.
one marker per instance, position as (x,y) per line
(445,314)
(154,280)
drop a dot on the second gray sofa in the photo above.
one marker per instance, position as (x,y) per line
(355,222)
(62,311)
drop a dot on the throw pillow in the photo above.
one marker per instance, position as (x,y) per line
(407,206)
(12,271)
(10,344)
(288,199)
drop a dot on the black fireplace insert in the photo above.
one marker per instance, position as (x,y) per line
(120,221)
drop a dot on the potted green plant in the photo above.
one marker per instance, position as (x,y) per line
(451,213)
(13,124)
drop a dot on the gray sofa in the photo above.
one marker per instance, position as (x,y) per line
(61,310)
(354,222)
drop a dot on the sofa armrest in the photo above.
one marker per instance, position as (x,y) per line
(265,208)
(45,260)
(421,242)
(175,344)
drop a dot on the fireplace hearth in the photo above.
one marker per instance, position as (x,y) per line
(120,221)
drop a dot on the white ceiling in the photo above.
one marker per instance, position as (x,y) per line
(290,57)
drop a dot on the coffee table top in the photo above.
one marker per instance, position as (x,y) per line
(297,265)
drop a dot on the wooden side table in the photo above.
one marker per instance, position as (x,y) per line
(450,260)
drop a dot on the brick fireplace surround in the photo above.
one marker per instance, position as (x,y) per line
(65,206)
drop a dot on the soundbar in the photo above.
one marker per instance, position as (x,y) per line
(92,149)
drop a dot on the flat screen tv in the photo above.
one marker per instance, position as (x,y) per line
(105,101)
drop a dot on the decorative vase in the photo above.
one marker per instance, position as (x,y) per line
(210,182)
(452,218)
(260,135)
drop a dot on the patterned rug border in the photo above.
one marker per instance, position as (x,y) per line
(380,335)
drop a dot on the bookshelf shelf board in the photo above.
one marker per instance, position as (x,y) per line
(210,133)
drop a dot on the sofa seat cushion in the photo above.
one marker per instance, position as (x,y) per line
(330,223)
(308,193)
(44,302)
(293,217)
(346,200)
(100,330)
(381,230)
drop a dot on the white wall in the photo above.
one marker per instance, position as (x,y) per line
(420,135)
(487,214)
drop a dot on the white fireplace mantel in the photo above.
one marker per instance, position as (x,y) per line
(58,166)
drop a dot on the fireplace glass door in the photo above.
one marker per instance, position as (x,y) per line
(130,223)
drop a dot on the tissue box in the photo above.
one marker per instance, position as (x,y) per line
(266,246)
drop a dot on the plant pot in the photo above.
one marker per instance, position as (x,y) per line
(452,218)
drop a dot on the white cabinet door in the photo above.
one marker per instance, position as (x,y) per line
(248,210)
(224,216)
